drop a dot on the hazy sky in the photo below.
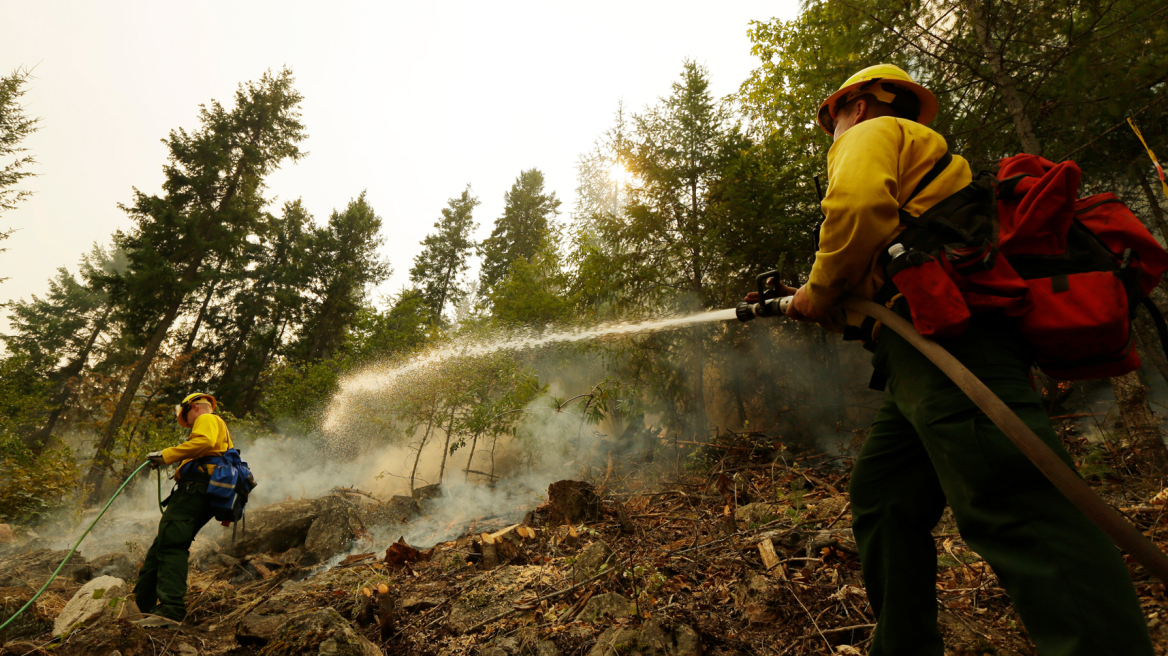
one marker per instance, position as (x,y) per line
(410,101)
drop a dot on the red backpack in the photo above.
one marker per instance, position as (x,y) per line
(1072,271)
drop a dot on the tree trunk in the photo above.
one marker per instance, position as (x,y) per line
(1149,341)
(203,310)
(37,440)
(422,445)
(446,447)
(698,370)
(1006,84)
(469,459)
(103,456)
(1157,213)
(1142,428)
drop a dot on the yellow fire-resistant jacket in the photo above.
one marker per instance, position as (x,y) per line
(872,168)
(209,437)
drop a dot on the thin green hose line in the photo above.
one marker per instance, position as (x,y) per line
(78,543)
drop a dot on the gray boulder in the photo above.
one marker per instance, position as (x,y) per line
(321,631)
(274,527)
(103,596)
(605,606)
(337,525)
(589,561)
(654,638)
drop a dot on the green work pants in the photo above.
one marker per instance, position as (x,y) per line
(929,446)
(162,582)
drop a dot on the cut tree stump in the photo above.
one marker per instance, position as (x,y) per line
(572,502)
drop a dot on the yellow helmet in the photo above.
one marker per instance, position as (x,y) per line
(181,409)
(873,80)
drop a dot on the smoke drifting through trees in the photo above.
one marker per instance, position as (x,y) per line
(679,205)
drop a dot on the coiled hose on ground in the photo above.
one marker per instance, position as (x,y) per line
(1128,537)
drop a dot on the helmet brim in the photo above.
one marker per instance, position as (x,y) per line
(929,105)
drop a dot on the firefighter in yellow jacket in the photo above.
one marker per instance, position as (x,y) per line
(162,582)
(929,445)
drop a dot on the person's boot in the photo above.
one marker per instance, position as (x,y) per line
(150,621)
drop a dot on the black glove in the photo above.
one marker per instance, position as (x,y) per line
(155,458)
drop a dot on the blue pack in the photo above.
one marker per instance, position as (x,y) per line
(228,486)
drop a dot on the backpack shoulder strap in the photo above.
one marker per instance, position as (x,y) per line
(940,166)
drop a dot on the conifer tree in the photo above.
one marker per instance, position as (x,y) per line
(527,215)
(210,205)
(15,126)
(344,263)
(438,269)
(58,335)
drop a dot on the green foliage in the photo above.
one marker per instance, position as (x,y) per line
(346,263)
(438,269)
(31,485)
(528,212)
(15,127)
(300,392)
(535,291)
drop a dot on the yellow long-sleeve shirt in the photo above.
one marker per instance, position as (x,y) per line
(872,169)
(209,437)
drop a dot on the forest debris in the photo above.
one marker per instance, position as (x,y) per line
(312,631)
(355,558)
(261,569)
(766,549)
(6,534)
(34,567)
(399,553)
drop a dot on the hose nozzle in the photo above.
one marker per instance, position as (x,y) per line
(773,307)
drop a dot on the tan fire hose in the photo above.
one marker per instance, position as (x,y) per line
(1128,537)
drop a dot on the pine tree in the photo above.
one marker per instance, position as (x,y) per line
(438,269)
(527,215)
(266,302)
(211,202)
(344,263)
(15,126)
(58,335)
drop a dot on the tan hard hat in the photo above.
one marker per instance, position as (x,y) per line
(197,397)
(870,80)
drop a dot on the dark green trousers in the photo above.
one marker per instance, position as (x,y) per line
(162,582)
(929,446)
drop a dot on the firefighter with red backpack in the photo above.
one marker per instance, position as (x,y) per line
(907,224)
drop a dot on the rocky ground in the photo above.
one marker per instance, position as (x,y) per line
(751,554)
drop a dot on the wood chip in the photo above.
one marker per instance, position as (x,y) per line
(766,549)
(264,571)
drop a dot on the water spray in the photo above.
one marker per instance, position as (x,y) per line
(1065,479)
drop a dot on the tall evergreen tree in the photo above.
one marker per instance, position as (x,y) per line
(344,264)
(438,269)
(15,126)
(58,335)
(267,302)
(527,214)
(211,203)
